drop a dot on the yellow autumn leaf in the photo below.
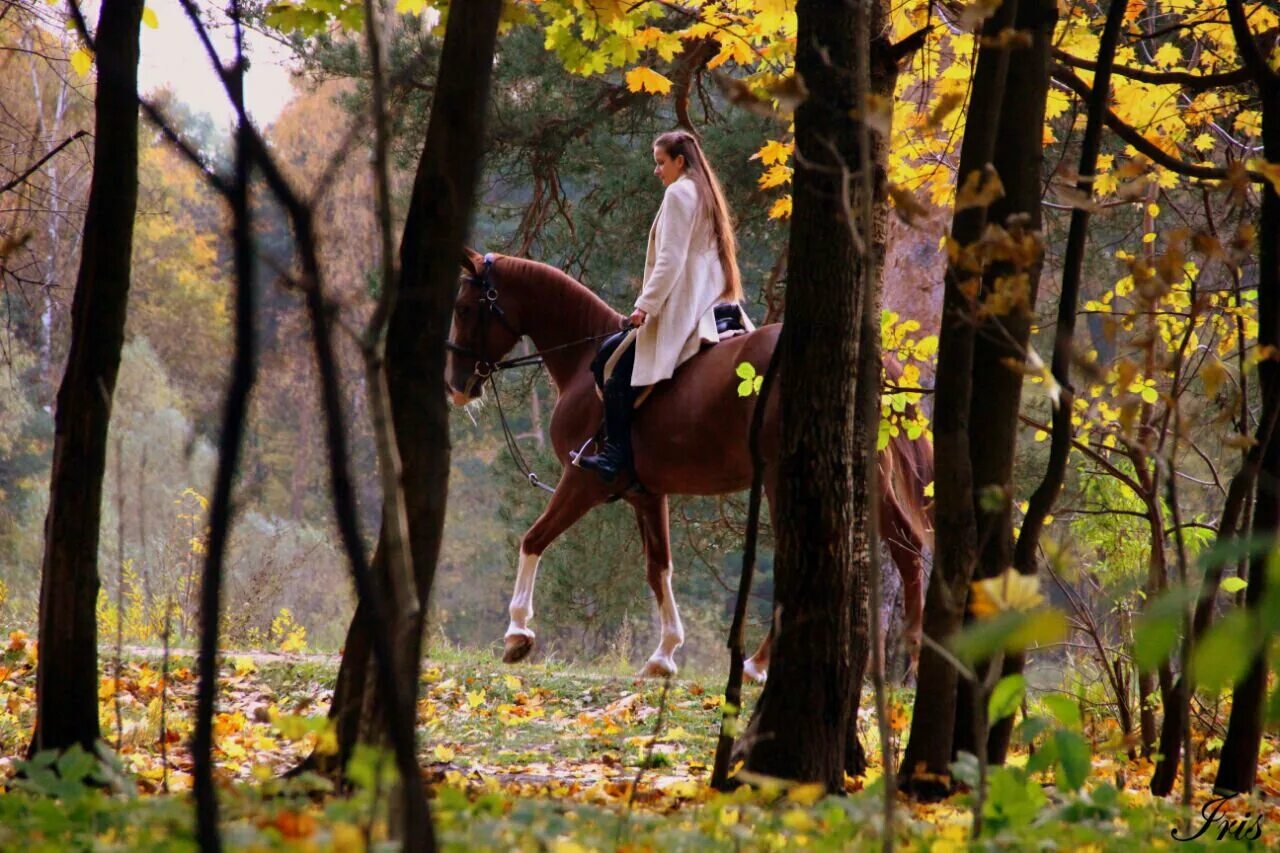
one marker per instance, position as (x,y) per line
(512,682)
(443,753)
(244,665)
(773,152)
(346,838)
(475,698)
(1168,55)
(775,177)
(149,18)
(327,741)
(412,7)
(807,794)
(781,208)
(1270,171)
(82,61)
(1249,122)
(641,79)
(1009,591)
(1203,142)
(979,189)
(736,49)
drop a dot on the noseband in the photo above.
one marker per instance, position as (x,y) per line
(489,308)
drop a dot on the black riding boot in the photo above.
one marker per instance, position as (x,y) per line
(615,457)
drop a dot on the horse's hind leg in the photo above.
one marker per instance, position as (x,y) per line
(566,507)
(906,549)
(756,667)
(651,514)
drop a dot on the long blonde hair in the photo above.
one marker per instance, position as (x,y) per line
(680,143)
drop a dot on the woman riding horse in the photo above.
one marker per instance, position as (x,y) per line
(691,266)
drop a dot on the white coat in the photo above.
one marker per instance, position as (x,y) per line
(683,282)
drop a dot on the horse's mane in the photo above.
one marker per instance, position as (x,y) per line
(573,293)
(910,469)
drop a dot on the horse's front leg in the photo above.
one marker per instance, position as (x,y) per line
(905,549)
(756,667)
(569,503)
(651,514)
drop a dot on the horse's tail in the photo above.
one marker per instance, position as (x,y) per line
(907,469)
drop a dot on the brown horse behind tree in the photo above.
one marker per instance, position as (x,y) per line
(689,436)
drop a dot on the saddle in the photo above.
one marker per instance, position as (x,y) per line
(729,323)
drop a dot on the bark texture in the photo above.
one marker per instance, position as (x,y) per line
(929,751)
(802,725)
(439,217)
(67,673)
(997,389)
(1239,765)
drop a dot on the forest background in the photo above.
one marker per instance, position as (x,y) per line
(1167,356)
(567,181)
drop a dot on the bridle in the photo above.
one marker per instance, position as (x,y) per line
(489,308)
(485,368)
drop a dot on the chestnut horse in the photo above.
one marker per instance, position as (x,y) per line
(689,436)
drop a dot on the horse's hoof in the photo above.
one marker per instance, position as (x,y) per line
(516,648)
(658,669)
(753,671)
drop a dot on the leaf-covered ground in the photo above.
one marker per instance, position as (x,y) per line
(529,758)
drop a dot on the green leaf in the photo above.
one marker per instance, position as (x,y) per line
(1045,756)
(1073,759)
(744,388)
(1011,631)
(965,769)
(1012,800)
(1005,698)
(746,370)
(1031,728)
(75,764)
(1156,632)
(1233,584)
(1223,654)
(1064,708)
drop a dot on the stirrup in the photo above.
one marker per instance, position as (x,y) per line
(609,463)
(575,454)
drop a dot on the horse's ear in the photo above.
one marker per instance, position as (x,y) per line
(472,260)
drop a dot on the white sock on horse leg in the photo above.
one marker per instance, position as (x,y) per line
(521,608)
(672,629)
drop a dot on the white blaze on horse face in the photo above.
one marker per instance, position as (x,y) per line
(672,629)
(521,609)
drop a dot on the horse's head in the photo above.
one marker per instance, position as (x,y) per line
(485,328)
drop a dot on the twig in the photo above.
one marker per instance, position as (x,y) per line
(869,397)
(644,762)
(34,167)
(119,587)
(732,710)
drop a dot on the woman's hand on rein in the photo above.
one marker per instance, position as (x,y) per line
(637,318)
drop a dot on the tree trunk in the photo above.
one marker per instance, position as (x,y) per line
(430,253)
(803,721)
(1239,765)
(996,398)
(925,768)
(67,673)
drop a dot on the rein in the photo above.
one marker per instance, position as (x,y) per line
(486,369)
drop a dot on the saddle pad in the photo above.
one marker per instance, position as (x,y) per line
(613,348)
